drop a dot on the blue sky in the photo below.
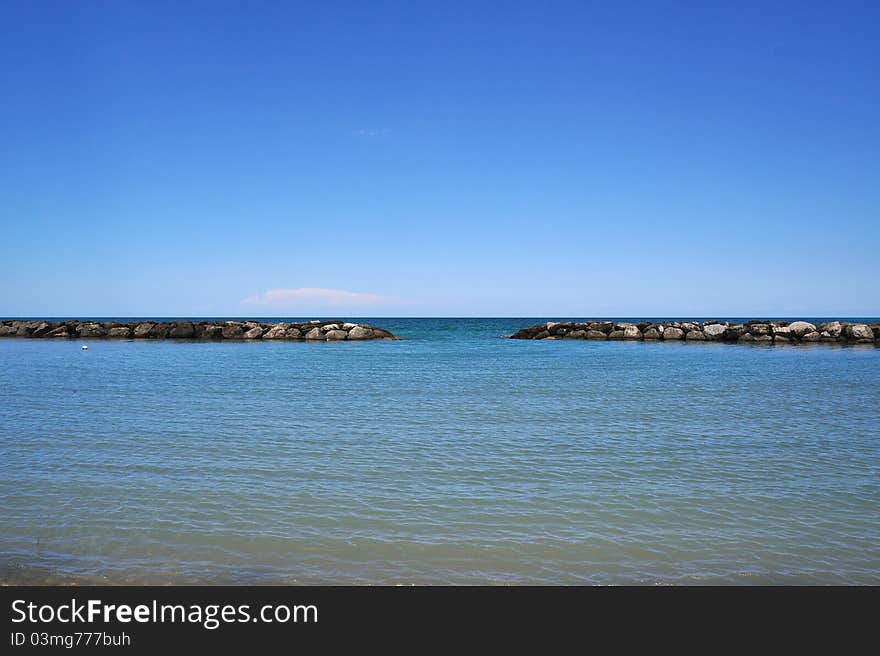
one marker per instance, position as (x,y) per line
(448,159)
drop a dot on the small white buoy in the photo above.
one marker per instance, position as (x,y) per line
(85,348)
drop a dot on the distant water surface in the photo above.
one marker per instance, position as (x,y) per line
(453,456)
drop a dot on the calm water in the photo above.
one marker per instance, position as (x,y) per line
(451,457)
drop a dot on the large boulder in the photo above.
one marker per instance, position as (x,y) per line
(159,331)
(91,330)
(596,334)
(254,333)
(360,332)
(833,328)
(42,328)
(576,334)
(632,332)
(335,335)
(233,331)
(119,331)
(315,333)
(811,337)
(695,335)
(860,332)
(714,330)
(801,328)
(783,332)
(278,331)
(183,330)
(143,329)
(672,333)
(651,334)
(758,329)
(212,331)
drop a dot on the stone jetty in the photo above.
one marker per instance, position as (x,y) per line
(758,332)
(326,331)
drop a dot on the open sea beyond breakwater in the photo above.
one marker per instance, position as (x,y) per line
(452,456)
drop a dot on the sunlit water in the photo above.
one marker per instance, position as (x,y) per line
(451,457)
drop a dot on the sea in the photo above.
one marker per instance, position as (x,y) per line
(453,456)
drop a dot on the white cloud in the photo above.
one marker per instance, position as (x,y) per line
(373,132)
(317,297)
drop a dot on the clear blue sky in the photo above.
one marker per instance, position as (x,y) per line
(454,159)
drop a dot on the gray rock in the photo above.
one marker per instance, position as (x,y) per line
(278,331)
(213,332)
(143,329)
(632,331)
(294,333)
(757,329)
(766,339)
(596,334)
(329,327)
(746,337)
(651,334)
(781,331)
(232,331)
(60,331)
(315,333)
(714,330)
(616,334)
(733,333)
(42,328)
(91,330)
(576,334)
(159,331)
(254,333)
(672,333)
(360,332)
(119,331)
(335,335)
(695,335)
(801,328)
(860,332)
(833,328)
(183,330)
(811,337)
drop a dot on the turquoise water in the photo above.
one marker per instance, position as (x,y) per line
(451,457)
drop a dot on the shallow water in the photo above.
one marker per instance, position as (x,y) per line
(451,457)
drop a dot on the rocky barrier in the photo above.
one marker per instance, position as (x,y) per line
(770,332)
(206,330)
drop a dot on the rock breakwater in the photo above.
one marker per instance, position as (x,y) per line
(767,332)
(327,331)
